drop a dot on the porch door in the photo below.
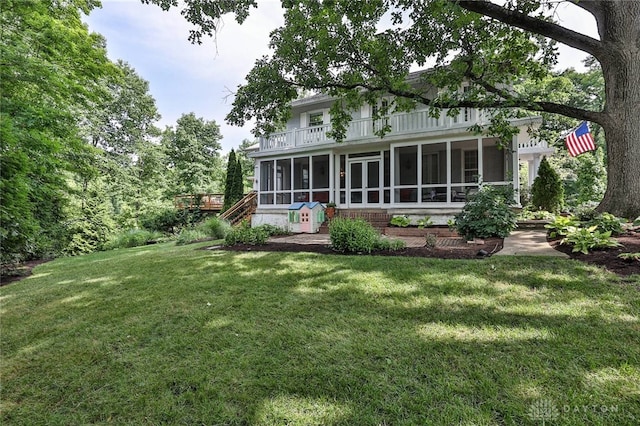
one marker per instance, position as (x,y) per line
(364,183)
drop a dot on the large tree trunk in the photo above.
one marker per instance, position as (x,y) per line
(621,70)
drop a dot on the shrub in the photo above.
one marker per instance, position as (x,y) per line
(606,222)
(353,236)
(487,214)
(431,240)
(245,234)
(527,214)
(401,221)
(585,239)
(133,238)
(390,244)
(585,213)
(562,225)
(215,228)
(425,222)
(547,192)
(273,230)
(191,235)
(170,220)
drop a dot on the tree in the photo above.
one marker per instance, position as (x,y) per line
(122,127)
(49,66)
(547,192)
(337,47)
(238,181)
(246,162)
(192,152)
(229,183)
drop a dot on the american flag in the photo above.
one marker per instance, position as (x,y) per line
(580,140)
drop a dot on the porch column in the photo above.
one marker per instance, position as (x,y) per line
(534,165)
(515,167)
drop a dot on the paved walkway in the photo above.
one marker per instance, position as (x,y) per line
(528,243)
(519,243)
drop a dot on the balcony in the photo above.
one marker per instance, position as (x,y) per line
(532,146)
(364,129)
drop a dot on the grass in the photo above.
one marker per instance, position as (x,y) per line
(167,334)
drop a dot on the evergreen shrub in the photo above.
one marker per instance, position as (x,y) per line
(547,191)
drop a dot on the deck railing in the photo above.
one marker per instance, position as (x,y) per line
(208,202)
(361,129)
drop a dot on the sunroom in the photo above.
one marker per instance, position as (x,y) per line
(404,174)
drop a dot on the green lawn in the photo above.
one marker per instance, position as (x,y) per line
(172,335)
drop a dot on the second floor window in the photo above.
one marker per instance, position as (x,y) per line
(316,119)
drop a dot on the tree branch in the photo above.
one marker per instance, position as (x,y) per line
(535,25)
(508,100)
(592,6)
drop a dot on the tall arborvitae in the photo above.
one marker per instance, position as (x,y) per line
(547,192)
(229,181)
(238,182)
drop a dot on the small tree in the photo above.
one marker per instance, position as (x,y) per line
(229,181)
(547,192)
(238,182)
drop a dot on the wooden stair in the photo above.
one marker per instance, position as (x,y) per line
(241,210)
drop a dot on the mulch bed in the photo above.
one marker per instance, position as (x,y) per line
(608,258)
(466,251)
(13,273)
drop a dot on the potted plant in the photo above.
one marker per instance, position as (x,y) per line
(330,210)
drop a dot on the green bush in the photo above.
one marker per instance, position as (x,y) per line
(273,230)
(390,244)
(425,222)
(585,239)
(353,236)
(215,228)
(562,226)
(606,222)
(401,221)
(133,238)
(586,213)
(191,235)
(170,220)
(431,240)
(487,213)
(547,192)
(245,234)
(528,214)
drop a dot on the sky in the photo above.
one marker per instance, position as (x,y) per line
(185,77)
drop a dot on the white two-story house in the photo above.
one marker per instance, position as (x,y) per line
(423,166)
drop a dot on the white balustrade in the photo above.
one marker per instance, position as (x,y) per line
(405,123)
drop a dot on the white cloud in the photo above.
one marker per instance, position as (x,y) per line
(187,78)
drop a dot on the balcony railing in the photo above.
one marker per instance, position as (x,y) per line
(362,129)
(533,146)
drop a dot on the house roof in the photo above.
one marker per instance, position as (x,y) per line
(412,78)
(298,206)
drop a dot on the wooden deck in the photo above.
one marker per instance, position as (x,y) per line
(204,202)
